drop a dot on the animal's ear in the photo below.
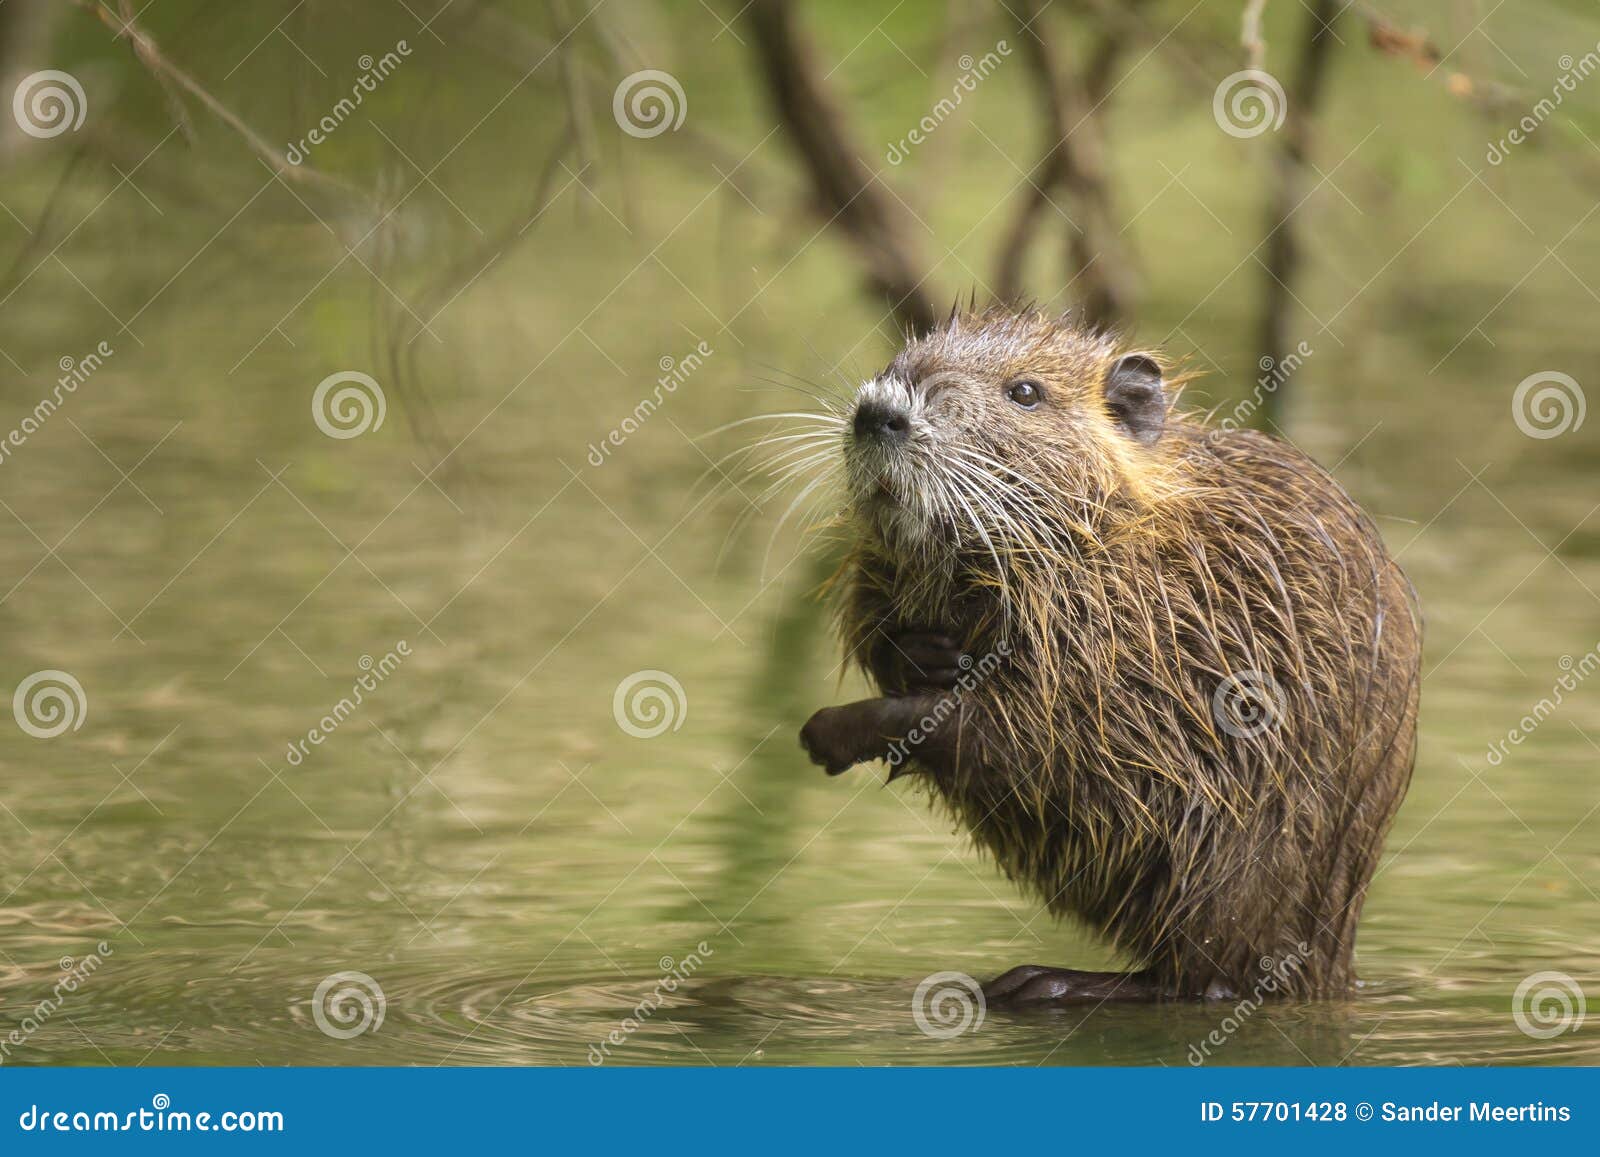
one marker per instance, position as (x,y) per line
(1136,398)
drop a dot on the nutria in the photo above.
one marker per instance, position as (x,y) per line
(1165,673)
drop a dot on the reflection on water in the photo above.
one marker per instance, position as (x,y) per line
(482,839)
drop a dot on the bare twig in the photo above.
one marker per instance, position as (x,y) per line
(1416,46)
(41,235)
(579,115)
(846,190)
(168,74)
(175,106)
(1255,45)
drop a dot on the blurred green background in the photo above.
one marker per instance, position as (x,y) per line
(511,867)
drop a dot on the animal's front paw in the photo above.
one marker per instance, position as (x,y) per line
(928,659)
(829,739)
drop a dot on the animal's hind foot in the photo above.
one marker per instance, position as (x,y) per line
(1038,986)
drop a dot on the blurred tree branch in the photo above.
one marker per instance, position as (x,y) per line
(847,192)
(1389,39)
(1073,160)
(1255,44)
(1288,188)
(520,48)
(167,75)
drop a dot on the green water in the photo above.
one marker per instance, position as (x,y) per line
(480,837)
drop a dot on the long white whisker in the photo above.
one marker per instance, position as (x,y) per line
(809,415)
(799,498)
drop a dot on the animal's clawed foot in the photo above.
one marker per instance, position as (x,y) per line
(1038,986)
(926,659)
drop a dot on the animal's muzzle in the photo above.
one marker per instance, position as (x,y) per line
(881,422)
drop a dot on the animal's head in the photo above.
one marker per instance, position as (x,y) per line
(1001,429)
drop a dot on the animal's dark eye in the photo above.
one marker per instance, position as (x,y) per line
(1025,394)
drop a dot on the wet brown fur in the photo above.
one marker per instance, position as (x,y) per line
(1130,581)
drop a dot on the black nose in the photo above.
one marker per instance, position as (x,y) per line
(882,422)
